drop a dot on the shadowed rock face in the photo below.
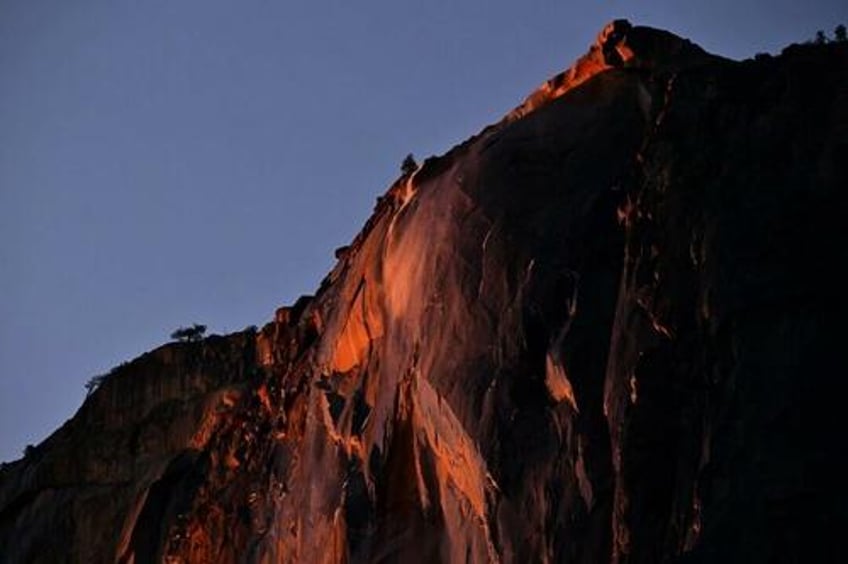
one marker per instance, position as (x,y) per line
(603,330)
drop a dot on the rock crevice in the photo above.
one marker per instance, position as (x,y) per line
(603,330)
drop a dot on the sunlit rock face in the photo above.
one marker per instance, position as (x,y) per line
(605,329)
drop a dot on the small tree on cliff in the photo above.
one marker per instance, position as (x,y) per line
(408,166)
(93,383)
(189,334)
(839,33)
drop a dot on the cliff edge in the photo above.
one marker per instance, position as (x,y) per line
(605,329)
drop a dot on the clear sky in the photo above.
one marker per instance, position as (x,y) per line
(164,162)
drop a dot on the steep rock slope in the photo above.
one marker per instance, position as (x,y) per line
(602,330)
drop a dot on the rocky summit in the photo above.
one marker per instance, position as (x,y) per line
(604,329)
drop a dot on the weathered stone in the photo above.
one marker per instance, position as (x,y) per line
(603,330)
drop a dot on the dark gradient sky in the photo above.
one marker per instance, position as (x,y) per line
(164,162)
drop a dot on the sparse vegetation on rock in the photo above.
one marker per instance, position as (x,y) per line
(603,332)
(840,35)
(408,166)
(93,383)
(189,334)
(96,381)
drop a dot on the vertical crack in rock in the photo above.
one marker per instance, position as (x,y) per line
(602,330)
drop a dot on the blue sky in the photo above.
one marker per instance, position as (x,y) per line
(175,161)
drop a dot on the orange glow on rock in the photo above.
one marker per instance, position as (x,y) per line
(363,325)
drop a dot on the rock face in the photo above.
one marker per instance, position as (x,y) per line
(604,329)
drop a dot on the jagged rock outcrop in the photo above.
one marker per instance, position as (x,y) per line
(603,330)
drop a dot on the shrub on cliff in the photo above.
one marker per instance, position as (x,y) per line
(189,334)
(93,383)
(840,35)
(408,166)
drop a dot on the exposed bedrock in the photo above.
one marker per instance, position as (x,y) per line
(604,329)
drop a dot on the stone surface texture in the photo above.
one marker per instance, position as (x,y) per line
(605,329)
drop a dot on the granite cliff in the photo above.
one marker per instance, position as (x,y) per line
(605,329)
